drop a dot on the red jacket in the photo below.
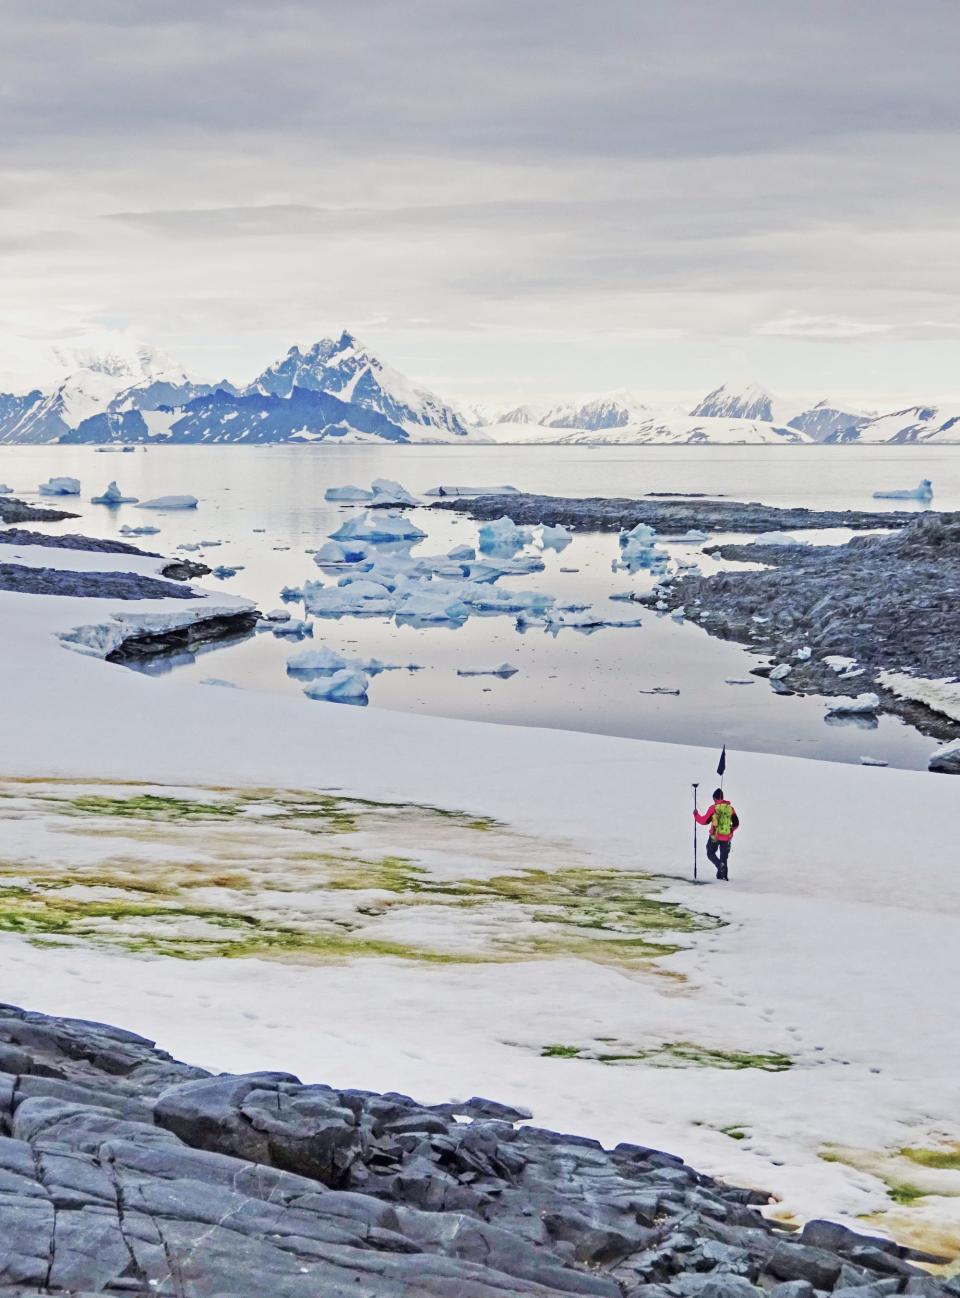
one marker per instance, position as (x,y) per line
(706,818)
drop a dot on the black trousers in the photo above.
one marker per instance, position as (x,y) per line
(717,852)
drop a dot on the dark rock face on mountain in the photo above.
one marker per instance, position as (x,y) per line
(826,423)
(670,517)
(21,420)
(751,402)
(108,426)
(344,368)
(122,1171)
(332,390)
(251,419)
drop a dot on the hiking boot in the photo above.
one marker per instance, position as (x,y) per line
(722,873)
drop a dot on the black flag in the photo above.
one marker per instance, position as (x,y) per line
(722,764)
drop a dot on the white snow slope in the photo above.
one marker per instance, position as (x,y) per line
(840,944)
(672,427)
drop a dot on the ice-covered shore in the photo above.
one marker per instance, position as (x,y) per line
(838,948)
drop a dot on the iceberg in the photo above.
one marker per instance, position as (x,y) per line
(426,606)
(503,536)
(363,588)
(295,629)
(554,538)
(378,528)
(923,491)
(60,487)
(946,760)
(504,670)
(444,490)
(334,555)
(348,493)
(587,621)
(638,550)
(509,601)
(5,491)
(113,496)
(692,537)
(146,530)
(492,568)
(169,502)
(462,552)
(224,570)
(777,538)
(319,658)
(324,660)
(349,685)
(335,601)
(864,705)
(388,492)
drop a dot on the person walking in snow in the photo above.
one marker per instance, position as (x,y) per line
(724,823)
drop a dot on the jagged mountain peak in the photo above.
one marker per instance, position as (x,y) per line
(344,368)
(749,401)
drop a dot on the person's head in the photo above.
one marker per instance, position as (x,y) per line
(717,794)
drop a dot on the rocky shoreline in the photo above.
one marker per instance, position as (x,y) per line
(124,1171)
(141,644)
(88,585)
(145,646)
(18,511)
(668,517)
(884,603)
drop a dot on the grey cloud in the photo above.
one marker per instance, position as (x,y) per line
(618,78)
(749,169)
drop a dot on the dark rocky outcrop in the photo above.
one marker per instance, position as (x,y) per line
(669,517)
(174,569)
(123,1171)
(184,569)
(71,541)
(219,628)
(890,602)
(90,585)
(18,511)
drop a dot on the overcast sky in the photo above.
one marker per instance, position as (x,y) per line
(506,198)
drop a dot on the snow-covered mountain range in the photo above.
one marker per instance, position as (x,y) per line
(336,389)
(726,416)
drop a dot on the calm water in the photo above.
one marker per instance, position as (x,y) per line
(583,682)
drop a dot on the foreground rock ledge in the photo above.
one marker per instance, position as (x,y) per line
(123,1171)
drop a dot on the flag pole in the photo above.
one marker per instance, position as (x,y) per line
(695,787)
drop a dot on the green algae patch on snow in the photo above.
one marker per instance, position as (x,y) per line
(292,875)
(148,806)
(909,1174)
(676,1054)
(946,1160)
